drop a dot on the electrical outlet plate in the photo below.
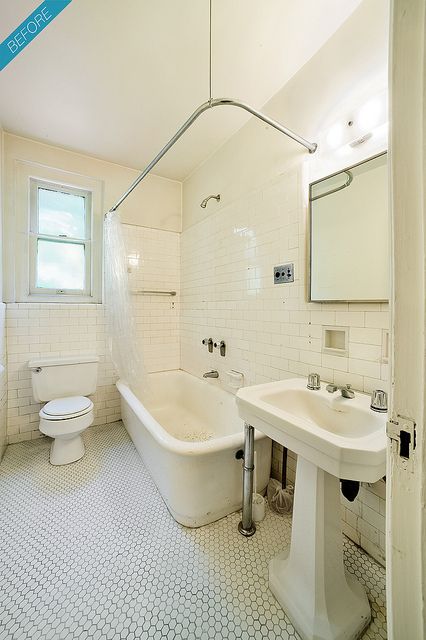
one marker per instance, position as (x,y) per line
(284,273)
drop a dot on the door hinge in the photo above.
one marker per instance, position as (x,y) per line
(402,430)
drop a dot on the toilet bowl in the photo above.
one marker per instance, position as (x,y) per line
(64,384)
(64,420)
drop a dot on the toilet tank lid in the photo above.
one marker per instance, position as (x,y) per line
(58,361)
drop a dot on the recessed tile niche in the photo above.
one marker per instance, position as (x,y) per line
(335,340)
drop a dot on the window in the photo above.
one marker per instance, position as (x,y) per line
(53,235)
(60,240)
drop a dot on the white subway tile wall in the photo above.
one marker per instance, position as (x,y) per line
(271,331)
(154,264)
(62,329)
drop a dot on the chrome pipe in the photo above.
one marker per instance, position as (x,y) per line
(247,527)
(152,292)
(179,133)
(217,102)
(310,146)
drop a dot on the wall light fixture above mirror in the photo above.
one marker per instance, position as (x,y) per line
(349,234)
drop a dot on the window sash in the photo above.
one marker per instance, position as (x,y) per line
(34,236)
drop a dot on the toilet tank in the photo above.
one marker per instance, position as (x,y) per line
(63,377)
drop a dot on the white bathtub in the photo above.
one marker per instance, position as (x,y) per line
(187,432)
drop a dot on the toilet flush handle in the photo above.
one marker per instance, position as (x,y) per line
(35,369)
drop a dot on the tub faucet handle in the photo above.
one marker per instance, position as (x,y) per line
(221,346)
(314,382)
(209,343)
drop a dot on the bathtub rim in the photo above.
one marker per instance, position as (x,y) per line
(169,442)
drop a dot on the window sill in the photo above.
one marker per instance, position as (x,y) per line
(58,299)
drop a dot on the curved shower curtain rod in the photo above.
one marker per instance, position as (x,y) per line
(310,146)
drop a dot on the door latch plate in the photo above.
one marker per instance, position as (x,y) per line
(402,431)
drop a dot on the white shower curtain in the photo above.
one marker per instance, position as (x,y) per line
(124,345)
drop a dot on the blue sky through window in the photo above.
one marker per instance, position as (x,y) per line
(61,213)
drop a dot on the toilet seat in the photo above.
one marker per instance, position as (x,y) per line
(66,408)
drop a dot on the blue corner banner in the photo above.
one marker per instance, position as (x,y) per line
(29,29)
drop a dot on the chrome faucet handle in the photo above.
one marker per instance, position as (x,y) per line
(314,382)
(379,401)
(209,343)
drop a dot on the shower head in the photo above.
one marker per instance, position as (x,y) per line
(203,205)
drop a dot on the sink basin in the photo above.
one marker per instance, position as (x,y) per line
(334,438)
(342,436)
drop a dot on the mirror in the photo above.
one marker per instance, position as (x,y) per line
(349,234)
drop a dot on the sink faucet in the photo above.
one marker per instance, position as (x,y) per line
(211,374)
(345,390)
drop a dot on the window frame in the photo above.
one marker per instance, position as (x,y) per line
(19,171)
(34,236)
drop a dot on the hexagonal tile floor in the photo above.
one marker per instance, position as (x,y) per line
(90,551)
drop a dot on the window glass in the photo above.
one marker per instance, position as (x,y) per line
(61,214)
(60,265)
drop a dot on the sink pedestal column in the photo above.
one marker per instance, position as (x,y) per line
(309,579)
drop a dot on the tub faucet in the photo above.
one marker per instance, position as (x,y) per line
(345,390)
(211,374)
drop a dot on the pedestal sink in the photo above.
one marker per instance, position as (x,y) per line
(334,438)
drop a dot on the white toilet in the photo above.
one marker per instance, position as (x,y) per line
(64,384)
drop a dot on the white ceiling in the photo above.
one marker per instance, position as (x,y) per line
(116,79)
